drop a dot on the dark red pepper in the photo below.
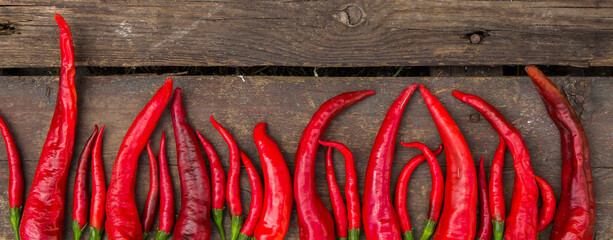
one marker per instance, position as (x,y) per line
(548,207)
(153,194)
(80,200)
(167,199)
(15,178)
(314,220)
(218,183)
(339,211)
(96,211)
(43,216)
(485,217)
(122,216)
(380,220)
(255,207)
(496,191)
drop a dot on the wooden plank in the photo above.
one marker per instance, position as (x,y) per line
(287,104)
(310,33)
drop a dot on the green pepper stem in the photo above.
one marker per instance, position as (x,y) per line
(428,230)
(161,235)
(15,214)
(145,236)
(237,224)
(498,229)
(340,238)
(218,218)
(95,234)
(77,229)
(354,234)
(242,236)
(408,235)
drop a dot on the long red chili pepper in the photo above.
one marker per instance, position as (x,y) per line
(233,193)
(351,188)
(458,220)
(122,216)
(485,217)
(522,220)
(255,207)
(400,202)
(277,206)
(152,196)
(218,183)
(167,199)
(15,178)
(339,211)
(314,220)
(43,216)
(549,204)
(96,211)
(380,220)
(79,196)
(438,186)
(576,212)
(195,216)
(496,191)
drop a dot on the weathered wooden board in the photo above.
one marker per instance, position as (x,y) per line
(309,33)
(287,103)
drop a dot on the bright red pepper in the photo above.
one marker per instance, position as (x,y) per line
(314,220)
(167,199)
(195,215)
(576,212)
(122,216)
(15,178)
(380,220)
(400,202)
(522,220)
(436,194)
(43,216)
(153,194)
(218,183)
(255,207)
(485,217)
(79,196)
(96,211)
(496,191)
(339,211)
(277,206)
(458,220)
(549,204)
(233,193)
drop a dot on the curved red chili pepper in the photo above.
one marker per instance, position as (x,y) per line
(400,202)
(96,211)
(122,216)
(314,220)
(15,178)
(351,188)
(255,207)
(218,183)
(79,195)
(576,212)
(496,191)
(153,195)
(43,215)
(380,220)
(195,215)
(458,220)
(167,199)
(233,193)
(549,204)
(339,211)
(522,220)
(277,206)
(485,229)
(438,186)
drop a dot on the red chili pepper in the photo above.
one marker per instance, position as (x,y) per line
(152,196)
(380,220)
(549,204)
(314,220)
(43,216)
(167,199)
(339,211)
(218,183)
(195,216)
(485,229)
(277,206)
(233,193)
(458,220)
(122,216)
(15,178)
(401,194)
(438,186)
(522,220)
(496,191)
(576,213)
(255,208)
(96,211)
(79,195)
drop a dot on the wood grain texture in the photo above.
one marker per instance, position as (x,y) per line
(287,103)
(309,33)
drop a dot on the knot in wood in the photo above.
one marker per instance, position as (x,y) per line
(475,118)
(351,15)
